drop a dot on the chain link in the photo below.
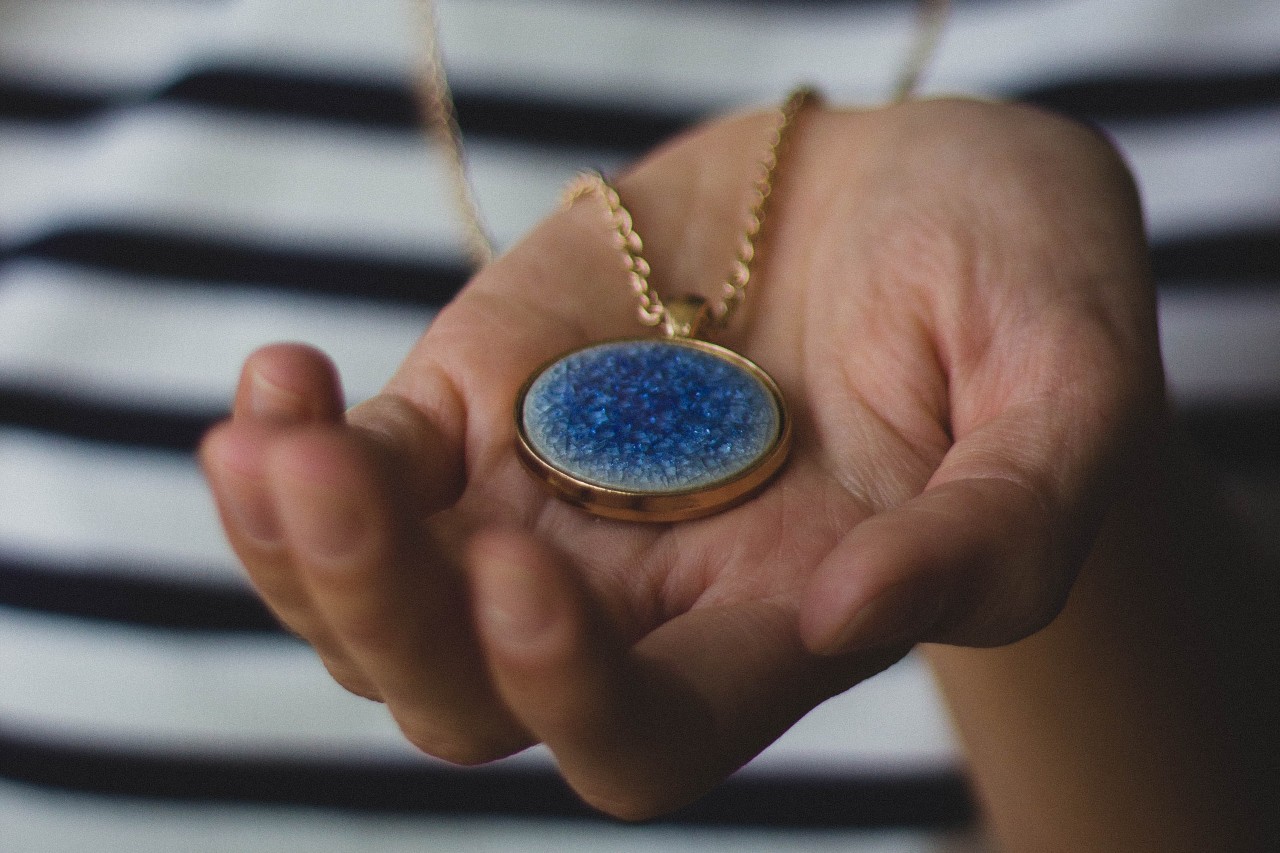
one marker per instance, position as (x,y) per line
(734,287)
(652,311)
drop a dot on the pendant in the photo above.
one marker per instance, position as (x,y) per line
(652,429)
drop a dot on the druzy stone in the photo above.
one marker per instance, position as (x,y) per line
(650,416)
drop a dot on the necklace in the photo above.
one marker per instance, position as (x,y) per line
(656,429)
(664,428)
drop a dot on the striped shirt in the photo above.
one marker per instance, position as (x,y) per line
(182,181)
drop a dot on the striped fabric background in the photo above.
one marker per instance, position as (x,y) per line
(184,180)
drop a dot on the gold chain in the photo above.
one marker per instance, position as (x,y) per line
(653,311)
(931,20)
(436,102)
(440,120)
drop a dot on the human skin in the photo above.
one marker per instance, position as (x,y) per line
(1143,717)
(953,297)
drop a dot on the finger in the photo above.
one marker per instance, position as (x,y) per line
(285,384)
(233,456)
(281,386)
(420,454)
(988,553)
(639,732)
(387,593)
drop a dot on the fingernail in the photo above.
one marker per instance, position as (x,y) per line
(271,402)
(890,618)
(514,605)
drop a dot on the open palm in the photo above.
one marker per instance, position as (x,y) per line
(952,297)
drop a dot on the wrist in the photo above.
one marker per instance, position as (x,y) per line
(1117,725)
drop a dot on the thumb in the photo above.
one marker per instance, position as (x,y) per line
(986,555)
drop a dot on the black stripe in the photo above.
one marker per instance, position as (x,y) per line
(542,120)
(1246,257)
(1241,436)
(1157,96)
(1241,257)
(282,93)
(202,259)
(101,421)
(113,594)
(631,130)
(549,120)
(529,119)
(923,801)
(25,100)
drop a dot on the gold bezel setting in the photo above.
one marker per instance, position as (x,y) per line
(660,506)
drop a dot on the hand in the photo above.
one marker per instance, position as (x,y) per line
(954,300)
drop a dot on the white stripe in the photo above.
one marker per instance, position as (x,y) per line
(67,501)
(1003,47)
(72,681)
(34,820)
(261,180)
(105,45)
(1220,345)
(111,337)
(707,53)
(1207,174)
(713,52)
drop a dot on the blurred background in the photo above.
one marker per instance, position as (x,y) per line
(182,181)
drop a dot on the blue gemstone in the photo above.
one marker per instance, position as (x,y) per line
(650,416)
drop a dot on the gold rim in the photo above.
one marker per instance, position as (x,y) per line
(681,505)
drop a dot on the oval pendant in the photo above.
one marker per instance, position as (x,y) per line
(664,429)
